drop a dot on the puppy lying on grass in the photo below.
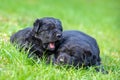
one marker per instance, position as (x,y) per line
(78,49)
(43,38)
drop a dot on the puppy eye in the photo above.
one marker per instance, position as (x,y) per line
(52,27)
(43,28)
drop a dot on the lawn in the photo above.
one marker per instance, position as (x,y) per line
(98,18)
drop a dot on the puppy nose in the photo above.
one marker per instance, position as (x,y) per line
(58,35)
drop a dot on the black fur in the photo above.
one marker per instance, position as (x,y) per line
(78,49)
(45,31)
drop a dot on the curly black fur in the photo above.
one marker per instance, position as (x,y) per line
(78,49)
(37,39)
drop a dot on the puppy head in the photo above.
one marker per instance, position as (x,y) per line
(72,55)
(64,59)
(49,31)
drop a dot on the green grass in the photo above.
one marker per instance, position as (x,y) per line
(98,18)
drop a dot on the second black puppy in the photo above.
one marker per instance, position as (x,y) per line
(78,49)
(44,37)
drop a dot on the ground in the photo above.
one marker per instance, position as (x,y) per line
(98,18)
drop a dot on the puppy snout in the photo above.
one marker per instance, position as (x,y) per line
(58,35)
(61,60)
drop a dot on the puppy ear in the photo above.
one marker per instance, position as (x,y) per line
(86,57)
(37,25)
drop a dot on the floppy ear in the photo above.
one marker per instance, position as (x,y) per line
(36,25)
(87,57)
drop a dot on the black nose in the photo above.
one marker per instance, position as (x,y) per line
(58,35)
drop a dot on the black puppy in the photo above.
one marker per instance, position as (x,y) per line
(78,49)
(44,37)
